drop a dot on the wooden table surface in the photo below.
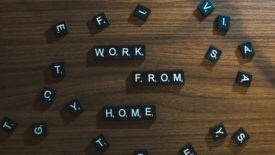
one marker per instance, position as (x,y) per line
(176,37)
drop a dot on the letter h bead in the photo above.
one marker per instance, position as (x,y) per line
(108,113)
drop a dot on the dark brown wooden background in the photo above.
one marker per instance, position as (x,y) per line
(176,37)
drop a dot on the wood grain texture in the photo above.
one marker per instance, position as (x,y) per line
(176,37)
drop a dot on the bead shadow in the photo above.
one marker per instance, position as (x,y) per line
(241,60)
(211,143)
(92,27)
(199,16)
(207,64)
(268,70)
(90,149)
(67,116)
(4,136)
(29,139)
(239,88)
(234,147)
(48,77)
(50,36)
(91,62)
(39,105)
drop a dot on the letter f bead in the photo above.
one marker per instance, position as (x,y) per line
(101,21)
